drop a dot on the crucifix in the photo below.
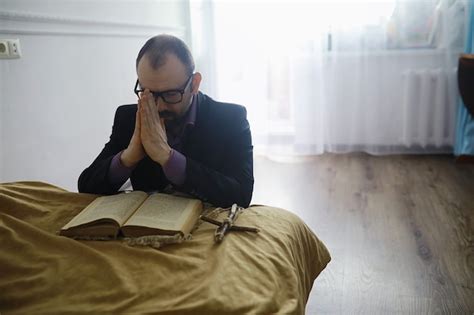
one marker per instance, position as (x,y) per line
(227,224)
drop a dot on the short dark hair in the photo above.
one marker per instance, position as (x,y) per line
(158,47)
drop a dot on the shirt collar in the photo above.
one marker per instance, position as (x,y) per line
(176,129)
(191,114)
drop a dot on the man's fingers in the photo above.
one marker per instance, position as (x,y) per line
(145,113)
(151,100)
(148,109)
(137,117)
(162,122)
(150,115)
(151,124)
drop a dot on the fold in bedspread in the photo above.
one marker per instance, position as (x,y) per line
(41,272)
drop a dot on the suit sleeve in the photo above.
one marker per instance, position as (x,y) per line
(94,179)
(234,182)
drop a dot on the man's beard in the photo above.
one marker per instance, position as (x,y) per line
(167,115)
(175,117)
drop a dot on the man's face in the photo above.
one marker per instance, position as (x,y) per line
(170,76)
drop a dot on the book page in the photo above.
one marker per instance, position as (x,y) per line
(165,212)
(116,207)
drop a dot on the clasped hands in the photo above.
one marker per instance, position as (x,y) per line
(149,137)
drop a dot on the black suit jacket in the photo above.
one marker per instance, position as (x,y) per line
(218,150)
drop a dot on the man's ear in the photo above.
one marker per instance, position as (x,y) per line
(196,82)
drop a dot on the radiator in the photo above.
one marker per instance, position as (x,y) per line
(429,107)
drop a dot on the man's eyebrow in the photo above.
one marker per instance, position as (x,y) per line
(176,88)
(164,90)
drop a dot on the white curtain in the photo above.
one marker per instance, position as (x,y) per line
(335,76)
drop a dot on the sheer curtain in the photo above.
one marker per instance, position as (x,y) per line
(336,76)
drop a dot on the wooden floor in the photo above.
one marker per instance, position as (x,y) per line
(400,229)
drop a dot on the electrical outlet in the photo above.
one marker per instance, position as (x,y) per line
(4,50)
(15,48)
(10,48)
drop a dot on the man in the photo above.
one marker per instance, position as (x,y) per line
(175,136)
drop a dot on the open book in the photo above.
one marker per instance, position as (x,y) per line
(134,214)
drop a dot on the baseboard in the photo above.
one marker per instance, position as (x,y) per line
(465,159)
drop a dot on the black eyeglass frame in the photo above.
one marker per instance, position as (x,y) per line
(163,94)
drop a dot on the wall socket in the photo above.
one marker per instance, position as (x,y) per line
(10,49)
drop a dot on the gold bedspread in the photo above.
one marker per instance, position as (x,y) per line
(41,272)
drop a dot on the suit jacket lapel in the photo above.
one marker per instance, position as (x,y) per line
(190,146)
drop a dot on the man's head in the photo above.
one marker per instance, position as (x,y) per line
(165,64)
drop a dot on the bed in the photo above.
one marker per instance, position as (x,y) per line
(41,272)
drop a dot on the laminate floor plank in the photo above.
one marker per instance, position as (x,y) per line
(400,229)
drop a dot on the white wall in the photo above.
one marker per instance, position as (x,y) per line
(152,12)
(78,64)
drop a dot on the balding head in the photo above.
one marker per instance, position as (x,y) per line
(159,47)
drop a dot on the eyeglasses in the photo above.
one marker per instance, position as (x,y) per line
(170,96)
